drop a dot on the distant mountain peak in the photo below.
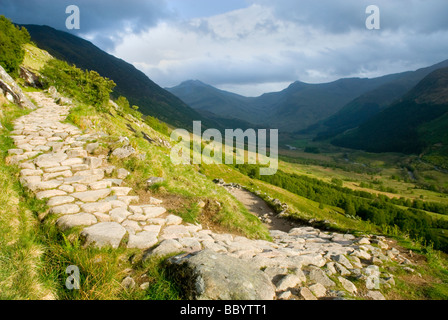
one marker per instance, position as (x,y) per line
(194,83)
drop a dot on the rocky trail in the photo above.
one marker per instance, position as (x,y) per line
(258,207)
(84,191)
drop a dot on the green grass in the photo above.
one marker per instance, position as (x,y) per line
(21,251)
(428,282)
(35,58)
(301,209)
(102,270)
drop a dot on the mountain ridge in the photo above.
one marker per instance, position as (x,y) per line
(398,128)
(368,105)
(298,107)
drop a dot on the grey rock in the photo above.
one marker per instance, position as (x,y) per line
(342,260)
(364,241)
(348,285)
(92,196)
(288,281)
(155,212)
(115,182)
(144,286)
(12,90)
(128,283)
(331,268)
(166,247)
(356,262)
(91,147)
(101,207)
(122,173)
(72,162)
(15,151)
(343,271)
(109,169)
(372,282)
(375,295)
(284,295)
(93,162)
(317,275)
(122,153)
(48,185)
(119,214)
(314,259)
(153,180)
(142,240)
(175,232)
(104,234)
(103,184)
(131,226)
(31,78)
(173,220)
(60,200)
(84,179)
(207,275)
(66,209)
(77,153)
(49,194)
(76,220)
(307,294)
(121,191)
(189,244)
(318,290)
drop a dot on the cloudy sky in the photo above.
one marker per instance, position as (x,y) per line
(254,46)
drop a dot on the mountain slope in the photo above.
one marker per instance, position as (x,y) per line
(293,109)
(406,125)
(302,104)
(229,109)
(131,83)
(206,98)
(368,105)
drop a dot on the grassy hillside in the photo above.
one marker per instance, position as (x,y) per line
(12,39)
(407,125)
(371,103)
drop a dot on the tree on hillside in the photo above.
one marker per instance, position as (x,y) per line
(350,208)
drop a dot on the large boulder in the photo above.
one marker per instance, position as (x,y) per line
(12,90)
(207,275)
(31,78)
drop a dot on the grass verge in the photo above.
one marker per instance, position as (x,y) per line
(21,252)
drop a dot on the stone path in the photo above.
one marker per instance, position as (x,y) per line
(56,165)
(258,207)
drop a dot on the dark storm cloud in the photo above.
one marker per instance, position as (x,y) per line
(342,16)
(104,20)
